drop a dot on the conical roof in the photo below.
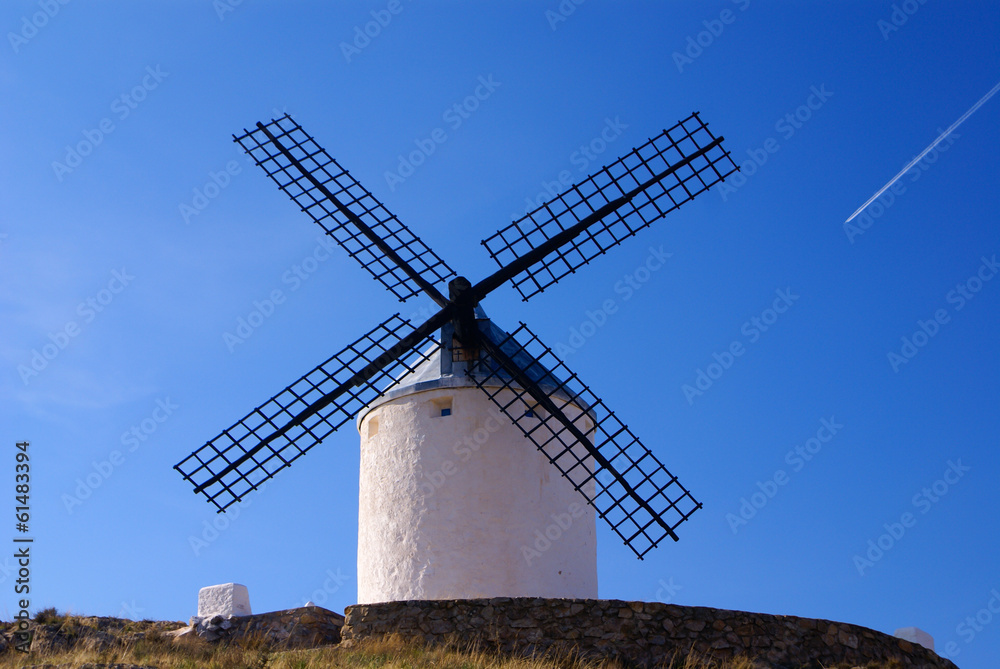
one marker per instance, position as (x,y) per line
(442,370)
(442,363)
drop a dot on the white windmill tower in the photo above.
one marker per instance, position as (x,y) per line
(455,503)
(483,457)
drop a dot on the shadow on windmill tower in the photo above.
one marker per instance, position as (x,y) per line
(540,455)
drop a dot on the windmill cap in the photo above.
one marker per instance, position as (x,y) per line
(440,370)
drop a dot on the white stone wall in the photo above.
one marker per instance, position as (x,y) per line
(459,506)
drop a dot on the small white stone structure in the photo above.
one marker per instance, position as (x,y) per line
(915,635)
(228,599)
(455,503)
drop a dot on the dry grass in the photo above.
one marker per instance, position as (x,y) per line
(388,653)
(150,647)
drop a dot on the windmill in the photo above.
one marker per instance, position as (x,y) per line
(410,387)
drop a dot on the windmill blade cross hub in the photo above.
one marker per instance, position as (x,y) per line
(586,442)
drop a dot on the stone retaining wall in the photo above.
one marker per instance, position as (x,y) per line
(638,633)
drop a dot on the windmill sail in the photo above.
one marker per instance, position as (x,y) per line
(284,428)
(644,185)
(345,209)
(607,464)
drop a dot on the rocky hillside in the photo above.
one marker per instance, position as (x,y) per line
(72,642)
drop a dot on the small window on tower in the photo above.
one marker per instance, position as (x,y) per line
(441,406)
(372,426)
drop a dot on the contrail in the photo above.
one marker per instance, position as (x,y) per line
(923,153)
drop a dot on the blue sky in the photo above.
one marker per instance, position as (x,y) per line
(822,103)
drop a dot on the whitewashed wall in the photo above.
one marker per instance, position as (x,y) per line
(463,506)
